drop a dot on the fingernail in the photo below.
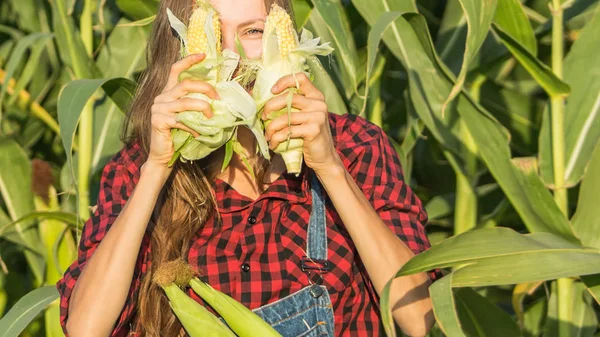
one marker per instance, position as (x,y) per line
(274,88)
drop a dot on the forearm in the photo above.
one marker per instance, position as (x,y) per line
(102,288)
(381,251)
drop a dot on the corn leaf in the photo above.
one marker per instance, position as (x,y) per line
(479,15)
(444,308)
(587,216)
(582,115)
(513,20)
(25,310)
(30,41)
(15,189)
(544,76)
(480,317)
(332,12)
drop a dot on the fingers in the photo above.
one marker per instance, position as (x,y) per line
(297,118)
(185,87)
(165,122)
(307,132)
(307,88)
(180,66)
(299,102)
(183,104)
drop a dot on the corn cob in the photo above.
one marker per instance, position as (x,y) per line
(235,106)
(197,34)
(195,318)
(240,319)
(284,54)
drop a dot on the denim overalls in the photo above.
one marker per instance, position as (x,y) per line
(307,312)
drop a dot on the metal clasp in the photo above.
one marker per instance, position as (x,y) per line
(311,264)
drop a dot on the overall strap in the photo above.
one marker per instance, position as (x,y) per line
(316,237)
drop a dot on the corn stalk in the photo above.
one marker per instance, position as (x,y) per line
(565,285)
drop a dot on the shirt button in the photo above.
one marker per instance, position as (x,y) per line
(245,267)
(252,219)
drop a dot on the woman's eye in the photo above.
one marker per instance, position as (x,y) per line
(254,31)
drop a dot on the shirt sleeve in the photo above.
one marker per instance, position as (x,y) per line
(374,163)
(116,185)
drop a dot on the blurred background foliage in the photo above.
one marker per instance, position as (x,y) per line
(492,106)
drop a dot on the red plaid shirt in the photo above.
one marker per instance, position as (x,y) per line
(256,255)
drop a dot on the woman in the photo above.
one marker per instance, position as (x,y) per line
(310,254)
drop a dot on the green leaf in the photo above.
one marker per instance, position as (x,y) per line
(583,321)
(26,309)
(482,318)
(374,39)
(479,15)
(544,76)
(302,10)
(451,37)
(517,112)
(534,318)
(592,282)
(69,218)
(323,82)
(495,256)
(430,84)
(511,17)
(75,95)
(331,12)
(15,189)
(371,11)
(587,217)
(582,115)
(70,45)
(122,56)
(138,9)
(444,308)
(31,68)
(30,41)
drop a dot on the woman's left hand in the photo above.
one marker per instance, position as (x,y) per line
(311,123)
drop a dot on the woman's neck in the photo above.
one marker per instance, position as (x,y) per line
(237,174)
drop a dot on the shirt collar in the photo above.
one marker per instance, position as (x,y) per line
(286,186)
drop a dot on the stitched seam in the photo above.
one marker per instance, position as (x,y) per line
(295,315)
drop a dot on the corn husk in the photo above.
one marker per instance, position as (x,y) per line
(236,107)
(240,319)
(278,62)
(195,318)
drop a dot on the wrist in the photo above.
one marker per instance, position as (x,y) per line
(156,170)
(334,170)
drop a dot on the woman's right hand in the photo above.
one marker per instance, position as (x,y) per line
(169,103)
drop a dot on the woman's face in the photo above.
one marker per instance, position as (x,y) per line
(247,19)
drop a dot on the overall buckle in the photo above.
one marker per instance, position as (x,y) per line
(312,264)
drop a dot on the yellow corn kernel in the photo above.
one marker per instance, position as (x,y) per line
(284,29)
(197,38)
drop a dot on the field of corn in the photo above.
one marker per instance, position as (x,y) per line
(493,106)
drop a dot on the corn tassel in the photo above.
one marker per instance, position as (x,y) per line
(240,319)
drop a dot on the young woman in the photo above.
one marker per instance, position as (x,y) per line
(310,254)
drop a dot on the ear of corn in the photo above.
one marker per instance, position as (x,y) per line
(240,319)
(284,54)
(196,319)
(236,106)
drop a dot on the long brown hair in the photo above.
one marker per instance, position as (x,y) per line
(186,201)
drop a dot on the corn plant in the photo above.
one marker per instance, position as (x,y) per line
(492,106)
